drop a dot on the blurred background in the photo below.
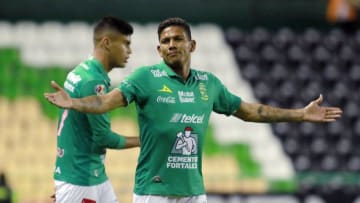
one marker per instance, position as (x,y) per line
(279,52)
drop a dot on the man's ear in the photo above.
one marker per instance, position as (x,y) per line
(193,45)
(105,43)
(158,49)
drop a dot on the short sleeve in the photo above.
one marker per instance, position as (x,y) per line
(100,123)
(134,85)
(224,101)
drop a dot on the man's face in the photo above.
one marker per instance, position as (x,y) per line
(119,50)
(175,46)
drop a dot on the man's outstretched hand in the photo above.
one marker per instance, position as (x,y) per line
(59,98)
(314,112)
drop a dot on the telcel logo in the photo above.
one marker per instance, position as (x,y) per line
(184,118)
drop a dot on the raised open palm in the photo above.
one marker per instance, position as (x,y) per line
(316,113)
(59,98)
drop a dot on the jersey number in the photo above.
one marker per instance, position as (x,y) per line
(63,117)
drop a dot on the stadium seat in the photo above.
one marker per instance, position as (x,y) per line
(320,56)
(287,91)
(215,199)
(290,68)
(262,91)
(344,147)
(6,37)
(331,73)
(334,39)
(234,36)
(292,146)
(279,73)
(304,74)
(319,146)
(272,199)
(329,163)
(314,199)
(296,55)
(353,164)
(270,54)
(354,73)
(310,38)
(258,38)
(244,54)
(284,38)
(347,54)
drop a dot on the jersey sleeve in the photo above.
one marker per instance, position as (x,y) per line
(224,101)
(100,123)
(133,87)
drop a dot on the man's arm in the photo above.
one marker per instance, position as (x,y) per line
(313,112)
(132,142)
(104,137)
(90,104)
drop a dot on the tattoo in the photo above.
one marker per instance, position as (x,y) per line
(90,104)
(260,110)
(263,114)
(98,101)
(272,114)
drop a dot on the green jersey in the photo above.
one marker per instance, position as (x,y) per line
(82,139)
(173,116)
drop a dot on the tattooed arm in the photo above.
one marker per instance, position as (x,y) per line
(90,104)
(313,112)
(99,104)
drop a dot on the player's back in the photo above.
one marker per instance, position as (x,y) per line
(79,158)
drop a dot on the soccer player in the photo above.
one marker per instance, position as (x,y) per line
(82,138)
(170,97)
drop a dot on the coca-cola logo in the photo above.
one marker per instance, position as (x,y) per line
(166,100)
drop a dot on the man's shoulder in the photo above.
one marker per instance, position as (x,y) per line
(79,78)
(200,71)
(85,73)
(203,75)
(145,70)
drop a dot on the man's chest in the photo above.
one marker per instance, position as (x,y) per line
(173,95)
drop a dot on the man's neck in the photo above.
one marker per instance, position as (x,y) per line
(182,70)
(100,56)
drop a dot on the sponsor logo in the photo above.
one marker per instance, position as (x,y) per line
(72,77)
(126,83)
(100,89)
(186,147)
(86,67)
(165,89)
(158,73)
(69,86)
(58,170)
(166,100)
(180,162)
(60,152)
(203,92)
(186,97)
(202,76)
(184,118)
